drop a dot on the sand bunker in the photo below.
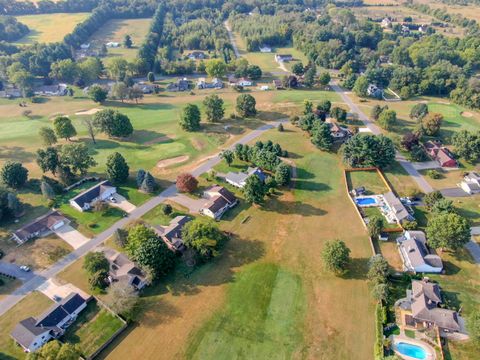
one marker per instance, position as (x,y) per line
(88,112)
(172,161)
(467,114)
(198,144)
(157,140)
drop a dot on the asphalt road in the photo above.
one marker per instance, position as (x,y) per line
(38,279)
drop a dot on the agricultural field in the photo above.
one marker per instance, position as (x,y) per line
(47,28)
(470,11)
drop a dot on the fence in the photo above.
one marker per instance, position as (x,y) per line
(80,182)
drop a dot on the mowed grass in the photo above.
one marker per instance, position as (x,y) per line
(32,305)
(47,28)
(369,179)
(157,217)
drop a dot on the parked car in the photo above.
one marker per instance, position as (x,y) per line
(25,268)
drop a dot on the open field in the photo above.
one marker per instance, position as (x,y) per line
(32,305)
(370,180)
(115,31)
(470,11)
(47,28)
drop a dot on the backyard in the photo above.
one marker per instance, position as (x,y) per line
(371,180)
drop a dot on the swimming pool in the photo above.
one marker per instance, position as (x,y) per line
(366,201)
(411,350)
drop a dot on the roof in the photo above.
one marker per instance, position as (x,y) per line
(216,203)
(223,192)
(414,247)
(95,191)
(472,176)
(40,224)
(174,229)
(121,267)
(396,206)
(26,331)
(444,156)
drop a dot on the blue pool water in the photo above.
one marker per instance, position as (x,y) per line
(414,351)
(366,201)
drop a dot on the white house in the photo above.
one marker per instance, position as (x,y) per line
(265,49)
(415,255)
(239,179)
(85,46)
(244,82)
(394,210)
(219,201)
(112,44)
(100,192)
(471,183)
(386,23)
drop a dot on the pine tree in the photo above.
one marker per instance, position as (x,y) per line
(117,168)
(149,184)
(47,190)
(140,177)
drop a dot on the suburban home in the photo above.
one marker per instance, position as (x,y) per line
(10,93)
(415,254)
(196,55)
(471,183)
(440,154)
(278,84)
(265,49)
(219,201)
(32,333)
(123,269)
(179,85)
(394,210)
(374,91)
(52,90)
(112,44)
(242,82)
(338,132)
(172,234)
(239,179)
(85,46)
(40,227)
(145,88)
(101,192)
(421,309)
(386,23)
(283,58)
(215,84)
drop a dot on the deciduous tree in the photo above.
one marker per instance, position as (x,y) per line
(214,108)
(448,231)
(254,190)
(246,105)
(186,183)
(336,256)
(204,237)
(47,135)
(14,175)
(64,128)
(77,158)
(190,118)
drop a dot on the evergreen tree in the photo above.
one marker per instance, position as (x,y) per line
(321,136)
(117,168)
(149,184)
(47,190)
(140,177)
(14,175)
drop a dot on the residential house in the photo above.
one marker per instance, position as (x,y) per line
(280,58)
(394,210)
(179,85)
(112,44)
(145,88)
(338,132)
(243,82)
(265,49)
(40,227)
(440,154)
(197,55)
(278,84)
(421,309)
(386,23)
(219,201)
(172,234)
(239,179)
(10,93)
(85,46)
(415,254)
(52,90)
(215,84)
(374,91)
(32,333)
(103,191)
(123,269)
(471,183)
(423,28)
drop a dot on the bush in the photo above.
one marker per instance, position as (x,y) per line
(410,225)
(434,174)
(167,209)
(379,320)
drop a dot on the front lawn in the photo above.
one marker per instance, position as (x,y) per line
(157,217)
(93,327)
(130,192)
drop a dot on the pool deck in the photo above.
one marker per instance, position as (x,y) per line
(431,354)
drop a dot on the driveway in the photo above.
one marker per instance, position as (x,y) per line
(192,204)
(122,203)
(14,270)
(426,165)
(71,236)
(52,288)
(454,192)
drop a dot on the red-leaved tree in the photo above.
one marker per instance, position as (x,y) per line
(186,183)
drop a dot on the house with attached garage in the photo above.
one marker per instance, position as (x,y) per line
(32,333)
(394,210)
(280,58)
(239,179)
(124,269)
(86,200)
(471,183)
(415,254)
(219,200)
(172,234)
(440,154)
(40,227)
(52,90)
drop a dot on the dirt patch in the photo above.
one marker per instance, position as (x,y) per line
(158,140)
(88,112)
(198,144)
(444,102)
(467,114)
(172,161)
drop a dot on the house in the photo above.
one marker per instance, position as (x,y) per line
(265,49)
(339,133)
(394,210)
(145,88)
(215,84)
(374,91)
(280,58)
(100,192)
(421,309)
(52,90)
(239,179)
(358,191)
(172,234)
(85,46)
(219,201)
(415,254)
(423,28)
(196,55)
(278,84)
(112,44)
(471,183)
(10,93)
(386,23)
(264,87)
(244,82)
(179,85)
(440,154)
(123,269)
(32,333)
(40,227)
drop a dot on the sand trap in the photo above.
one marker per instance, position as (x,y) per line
(88,112)
(160,139)
(198,144)
(172,161)
(467,114)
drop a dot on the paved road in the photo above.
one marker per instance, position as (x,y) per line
(454,192)
(40,278)
(232,39)
(407,165)
(14,270)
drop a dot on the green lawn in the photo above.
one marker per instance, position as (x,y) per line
(157,217)
(299,96)
(375,211)
(370,179)
(130,192)
(93,327)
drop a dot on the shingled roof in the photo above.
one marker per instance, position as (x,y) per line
(94,192)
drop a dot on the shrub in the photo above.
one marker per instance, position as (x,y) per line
(434,174)
(186,183)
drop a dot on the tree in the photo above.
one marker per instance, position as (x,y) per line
(377,270)
(376,111)
(76,157)
(117,168)
(254,72)
(381,292)
(55,350)
(149,185)
(324,78)
(47,135)
(419,111)
(473,325)
(122,298)
(48,159)
(95,261)
(336,256)
(98,280)
(361,86)
(368,150)
(298,69)
(228,156)
(65,70)
(467,145)
(186,183)
(63,127)
(167,209)
(120,90)
(283,174)
(117,68)
(97,94)
(448,230)
(151,77)
(90,128)
(338,114)
(90,69)
(204,237)
(290,81)
(216,68)
(387,119)
(153,254)
(47,190)
(443,206)
(127,41)
(14,175)
(321,136)
(120,237)
(307,107)
(410,140)
(431,198)
(246,105)
(190,118)
(140,177)
(113,123)
(214,108)
(136,235)
(324,105)
(375,226)
(431,123)
(254,190)
(309,78)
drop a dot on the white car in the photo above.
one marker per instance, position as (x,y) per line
(25,268)
(112,199)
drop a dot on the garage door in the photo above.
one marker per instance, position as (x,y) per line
(58,225)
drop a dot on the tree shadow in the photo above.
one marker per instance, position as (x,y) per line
(292,155)
(304,174)
(451,300)
(15,153)
(292,207)
(311,186)
(357,269)
(271,115)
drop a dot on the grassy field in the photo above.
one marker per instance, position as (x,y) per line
(47,28)
(371,180)
(94,326)
(32,305)
(115,30)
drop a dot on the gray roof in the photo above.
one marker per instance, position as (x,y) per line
(396,205)
(95,191)
(414,245)
(174,229)
(26,331)
(40,224)
(122,268)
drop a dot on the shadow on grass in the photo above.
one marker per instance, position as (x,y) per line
(15,153)
(357,269)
